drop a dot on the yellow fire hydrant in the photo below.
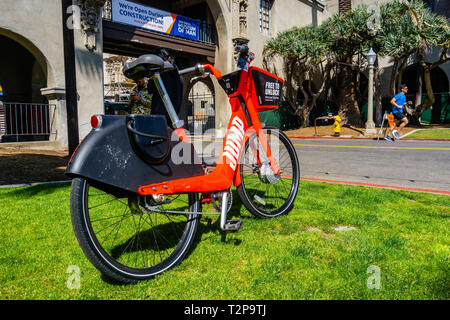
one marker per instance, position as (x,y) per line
(337,126)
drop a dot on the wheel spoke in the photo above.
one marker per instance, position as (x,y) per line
(264,195)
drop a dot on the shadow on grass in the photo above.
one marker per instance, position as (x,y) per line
(18,168)
(31,191)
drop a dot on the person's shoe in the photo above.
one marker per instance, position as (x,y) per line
(396,135)
(389,139)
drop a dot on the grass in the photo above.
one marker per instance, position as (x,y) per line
(401,234)
(430,134)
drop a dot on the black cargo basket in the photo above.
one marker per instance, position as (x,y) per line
(267,89)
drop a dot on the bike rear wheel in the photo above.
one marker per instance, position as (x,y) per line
(263,193)
(135,238)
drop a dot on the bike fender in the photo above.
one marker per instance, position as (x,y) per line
(106,157)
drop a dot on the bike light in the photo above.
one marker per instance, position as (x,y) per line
(96,122)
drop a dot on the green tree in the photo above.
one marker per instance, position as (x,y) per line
(305,52)
(349,38)
(335,49)
(328,49)
(408,32)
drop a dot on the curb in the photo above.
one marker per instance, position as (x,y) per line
(353,183)
(329,137)
(361,138)
(33,184)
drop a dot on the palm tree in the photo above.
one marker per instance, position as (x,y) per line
(306,53)
(407,30)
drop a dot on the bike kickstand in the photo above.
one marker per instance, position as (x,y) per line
(230,225)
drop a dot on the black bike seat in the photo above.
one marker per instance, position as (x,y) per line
(145,66)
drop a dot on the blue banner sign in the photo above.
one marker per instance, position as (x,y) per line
(137,15)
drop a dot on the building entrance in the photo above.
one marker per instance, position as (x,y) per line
(24,112)
(123,41)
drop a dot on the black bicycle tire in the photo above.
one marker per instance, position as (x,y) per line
(289,203)
(104,262)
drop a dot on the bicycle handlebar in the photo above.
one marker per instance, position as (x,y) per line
(202,68)
(242,50)
(189,70)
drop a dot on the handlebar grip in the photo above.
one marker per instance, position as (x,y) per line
(188,70)
(202,69)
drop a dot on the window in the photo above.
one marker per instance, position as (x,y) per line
(265,7)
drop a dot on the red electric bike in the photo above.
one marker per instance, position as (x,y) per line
(139,187)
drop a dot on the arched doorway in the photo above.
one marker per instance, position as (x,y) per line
(439,80)
(21,74)
(213,46)
(25,112)
(201,114)
(417,92)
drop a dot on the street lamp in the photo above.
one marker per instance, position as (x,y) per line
(370,125)
(371,57)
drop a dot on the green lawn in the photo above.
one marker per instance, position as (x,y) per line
(430,134)
(403,235)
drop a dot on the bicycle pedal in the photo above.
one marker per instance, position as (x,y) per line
(233,225)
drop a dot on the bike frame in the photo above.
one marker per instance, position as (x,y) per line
(244,122)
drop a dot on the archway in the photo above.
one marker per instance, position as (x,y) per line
(413,78)
(25,112)
(21,74)
(40,58)
(214,45)
(439,80)
(201,112)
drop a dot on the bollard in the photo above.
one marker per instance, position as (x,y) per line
(320,118)
(337,125)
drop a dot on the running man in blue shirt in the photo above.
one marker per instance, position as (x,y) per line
(399,102)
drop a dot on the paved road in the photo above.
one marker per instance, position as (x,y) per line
(410,164)
(407,164)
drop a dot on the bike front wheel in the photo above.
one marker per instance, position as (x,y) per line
(264,193)
(136,237)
